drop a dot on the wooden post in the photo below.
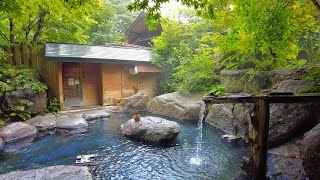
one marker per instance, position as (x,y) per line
(17,54)
(9,51)
(25,55)
(60,86)
(260,138)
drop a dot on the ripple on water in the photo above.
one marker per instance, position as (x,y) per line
(120,158)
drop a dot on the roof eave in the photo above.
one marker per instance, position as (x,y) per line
(96,60)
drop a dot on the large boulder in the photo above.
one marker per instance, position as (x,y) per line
(279,75)
(310,150)
(151,129)
(66,123)
(17,135)
(51,173)
(43,123)
(71,124)
(134,104)
(17,131)
(290,120)
(95,114)
(181,105)
(38,99)
(294,86)
(284,162)
(231,118)
(236,81)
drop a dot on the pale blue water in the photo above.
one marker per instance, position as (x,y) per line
(122,158)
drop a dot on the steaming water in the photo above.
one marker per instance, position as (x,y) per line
(197,160)
(120,158)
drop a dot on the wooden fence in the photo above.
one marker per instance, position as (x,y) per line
(50,72)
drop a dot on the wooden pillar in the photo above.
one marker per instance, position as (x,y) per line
(260,138)
(25,56)
(9,52)
(60,86)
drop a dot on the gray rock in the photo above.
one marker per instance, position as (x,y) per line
(310,150)
(134,104)
(236,81)
(294,86)
(151,129)
(50,173)
(288,120)
(71,124)
(39,99)
(17,131)
(284,162)
(43,123)
(1,143)
(181,105)
(96,114)
(231,118)
(278,75)
(221,117)
(280,167)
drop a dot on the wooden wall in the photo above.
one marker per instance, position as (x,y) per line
(50,72)
(117,82)
(91,84)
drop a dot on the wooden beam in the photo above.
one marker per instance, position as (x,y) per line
(260,138)
(300,98)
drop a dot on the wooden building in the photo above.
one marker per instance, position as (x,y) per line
(139,34)
(99,75)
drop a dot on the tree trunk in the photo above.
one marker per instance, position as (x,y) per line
(12,35)
(315,2)
(40,26)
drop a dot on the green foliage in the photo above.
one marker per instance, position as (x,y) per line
(13,79)
(218,90)
(71,21)
(186,52)
(54,106)
(21,110)
(313,75)
(263,35)
(34,21)
(2,122)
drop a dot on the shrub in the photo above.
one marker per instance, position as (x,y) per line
(54,106)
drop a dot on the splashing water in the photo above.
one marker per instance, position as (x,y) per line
(197,160)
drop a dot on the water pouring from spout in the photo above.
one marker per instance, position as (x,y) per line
(197,160)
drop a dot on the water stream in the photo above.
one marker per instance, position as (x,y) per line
(197,160)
